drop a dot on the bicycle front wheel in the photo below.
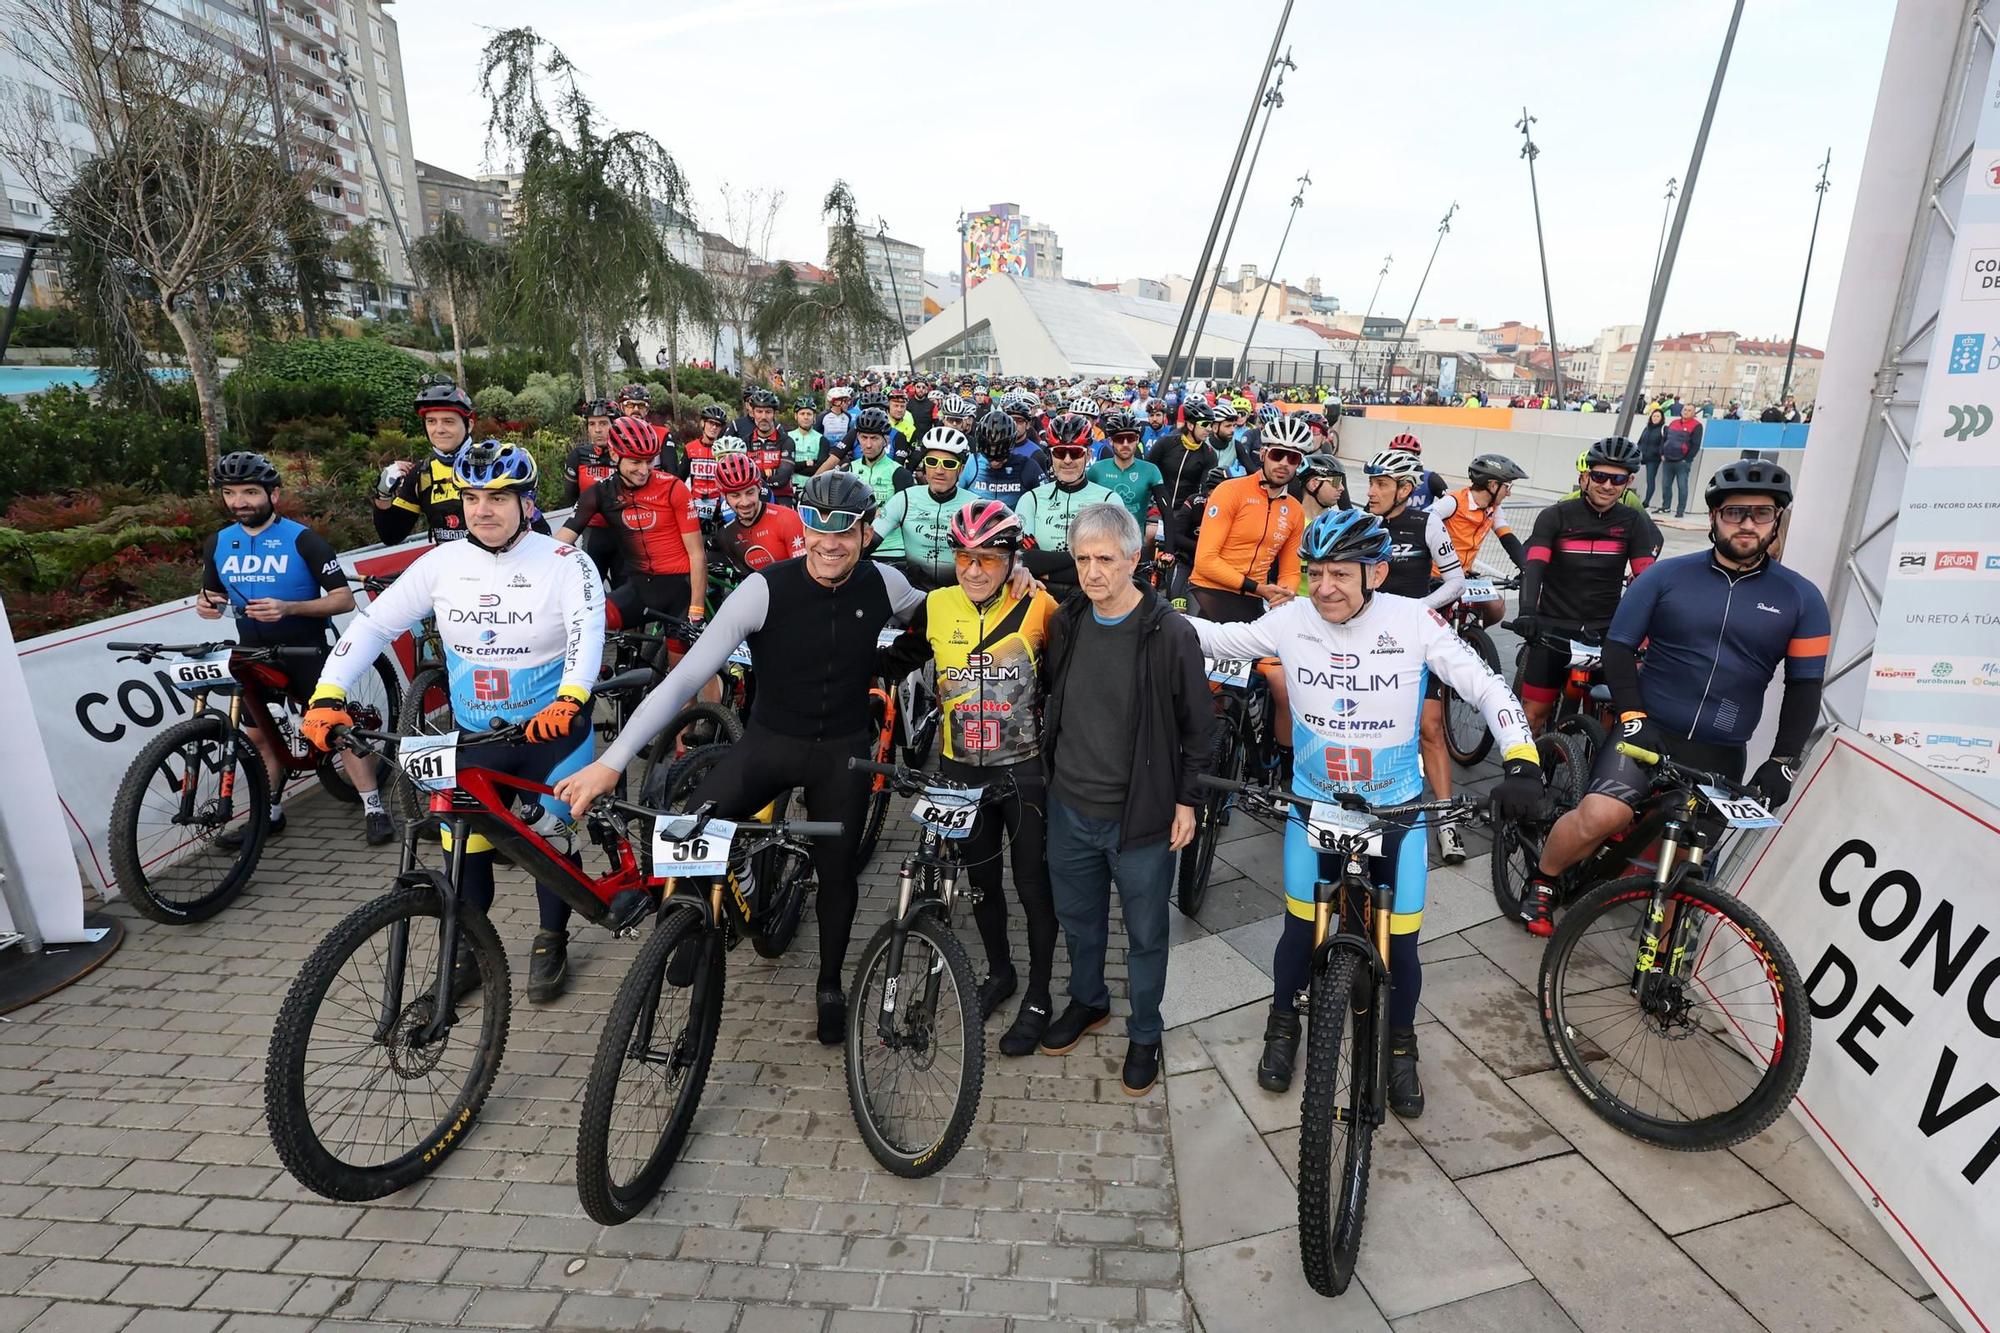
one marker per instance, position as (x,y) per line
(375,704)
(651,1065)
(1197,859)
(1465,733)
(425,711)
(1704,1050)
(172,808)
(359,1101)
(1335,1136)
(1517,844)
(915,1087)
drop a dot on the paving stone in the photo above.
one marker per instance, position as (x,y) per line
(72,1317)
(1230,1186)
(1455,900)
(1487,1011)
(1206,977)
(1792,1273)
(1235,1043)
(1473,1121)
(1509,947)
(513,1309)
(1257,1283)
(1257,940)
(176,1321)
(1525,1308)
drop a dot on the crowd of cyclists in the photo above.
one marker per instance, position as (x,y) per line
(948,512)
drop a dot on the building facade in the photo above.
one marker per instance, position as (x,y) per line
(896,272)
(480,206)
(24,214)
(1723,367)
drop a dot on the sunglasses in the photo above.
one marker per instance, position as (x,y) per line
(1069,452)
(828,520)
(1126,437)
(945,461)
(1278,454)
(1610,478)
(1758,514)
(983,559)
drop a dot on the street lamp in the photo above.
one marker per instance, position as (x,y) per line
(1673,188)
(1396,348)
(1369,312)
(1529,151)
(1791,350)
(882,235)
(1274,97)
(1298,202)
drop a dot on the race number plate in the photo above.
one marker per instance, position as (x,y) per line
(945,811)
(1329,824)
(201,673)
(1584,655)
(888,636)
(679,853)
(1229,670)
(429,761)
(1477,590)
(1740,811)
(740,655)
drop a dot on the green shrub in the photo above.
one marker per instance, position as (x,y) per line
(694,380)
(535,407)
(496,401)
(60,440)
(562,390)
(51,326)
(509,368)
(384,378)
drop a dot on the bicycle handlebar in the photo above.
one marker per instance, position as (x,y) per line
(1276,799)
(796,828)
(146,652)
(912,780)
(1653,759)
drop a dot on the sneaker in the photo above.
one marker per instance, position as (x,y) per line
(1029,1025)
(233,839)
(832,1004)
(378,827)
(1077,1019)
(1281,1052)
(996,988)
(1450,846)
(548,966)
(1538,906)
(1406,1093)
(1142,1067)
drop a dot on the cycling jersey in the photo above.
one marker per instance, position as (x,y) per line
(886,477)
(919,521)
(1418,548)
(584,466)
(1134,485)
(519,626)
(1247,538)
(1577,556)
(652,520)
(805,447)
(1714,637)
(775,534)
(1047,511)
(773,454)
(428,490)
(1007,482)
(287,561)
(1467,524)
(905,426)
(699,472)
(987,670)
(1181,468)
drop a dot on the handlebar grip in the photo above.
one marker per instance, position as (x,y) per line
(808,828)
(117,647)
(1638,754)
(1219,784)
(859,765)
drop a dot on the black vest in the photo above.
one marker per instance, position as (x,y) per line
(816,653)
(1409,557)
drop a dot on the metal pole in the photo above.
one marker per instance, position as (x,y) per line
(1396,348)
(1529,151)
(1298,202)
(1222,204)
(964,312)
(1792,349)
(1635,378)
(1273,99)
(1355,357)
(882,234)
(21,275)
(388,195)
(1666,212)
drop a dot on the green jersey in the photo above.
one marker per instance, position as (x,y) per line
(918,523)
(1133,485)
(1046,511)
(805,446)
(885,476)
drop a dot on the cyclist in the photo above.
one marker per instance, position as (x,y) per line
(1136,482)
(1323,484)
(917,519)
(1475,512)
(407,491)
(1630,497)
(283,584)
(837,421)
(652,512)
(588,462)
(757,534)
(1430,485)
(811,625)
(768,446)
(1003,472)
(1047,511)
(805,436)
(522,619)
(1354,730)
(1182,456)
(1710,657)
(958,413)
(877,464)
(1159,423)
(897,403)
(987,640)
(698,467)
(1575,570)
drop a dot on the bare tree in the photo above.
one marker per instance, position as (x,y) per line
(738,269)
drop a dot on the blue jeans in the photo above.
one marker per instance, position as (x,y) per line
(1652,466)
(1084,862)
(1675,472)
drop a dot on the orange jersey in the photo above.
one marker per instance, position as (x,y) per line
(1245,534)
(1468,527)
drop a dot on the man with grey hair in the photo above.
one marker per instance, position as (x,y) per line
(1126,720)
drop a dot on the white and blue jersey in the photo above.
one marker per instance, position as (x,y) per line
(285,561)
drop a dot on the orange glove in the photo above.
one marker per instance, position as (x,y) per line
(321,719)
(553,722)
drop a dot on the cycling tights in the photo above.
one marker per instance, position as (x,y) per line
(1292,961)
(1023,817)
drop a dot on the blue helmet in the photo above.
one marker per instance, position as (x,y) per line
(1345,535)
(491,465)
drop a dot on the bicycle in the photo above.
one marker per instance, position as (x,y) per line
(426,705)
(1347,1000)
(1583,704)
(904,714)
(202,776)
(1708,976)
(901,1022)
(1466,737)
(653,1054)
(1240,743)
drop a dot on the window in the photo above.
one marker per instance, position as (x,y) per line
(38,100)
(26,208)
(395,169)
(376,35)
(455,202)
(389,136)
(374,195)
(71,111)
(492,208)
(347,17)
(382,67)
(402,206)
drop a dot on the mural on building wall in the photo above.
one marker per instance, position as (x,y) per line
(995,244)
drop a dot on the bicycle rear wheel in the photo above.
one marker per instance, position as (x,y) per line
(1465,733)
(882,751)
(915,1093)
(780,880)
(1197,859)
(170,864)
(1517,844)
(355,1113)
(651,1064)
(1335,1136)
(375,704)
(700,725)
(1708,1058)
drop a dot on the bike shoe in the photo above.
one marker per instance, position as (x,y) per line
(832,1015)
(1450,846)
(998,987)
(548,966)
(1077,1018)
(1538,905)
(1406,1094)
(233,840)
(378,828)
(1281,1052)
(1142,1067)
(1029,1025)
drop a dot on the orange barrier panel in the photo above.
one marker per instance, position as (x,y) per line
(1480,418)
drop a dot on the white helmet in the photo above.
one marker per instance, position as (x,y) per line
(1290,432)
(1397,464)
(1085,407)
(946,440)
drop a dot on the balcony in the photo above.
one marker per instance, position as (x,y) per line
(288,20)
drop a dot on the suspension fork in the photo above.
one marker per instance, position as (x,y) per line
(1655,925)
(444,1008)
(226,788)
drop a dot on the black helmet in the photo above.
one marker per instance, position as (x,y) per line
(995,435)
(1749,474)
(1614,451)
(598,407)
(838,492)
(1195,411)
(446,397)
(1212,478)
(1493,467)
(1070,428)
(805,402)
(244,469)
(872,399)
(1320,463)
(872,421)
(635,393)
(763,398)
(717,413)
(1118,422)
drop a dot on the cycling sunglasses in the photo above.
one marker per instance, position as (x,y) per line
(828,520)
(1610,478)
(1749,513)
(945,461)
(1123,436)
(1279,454)
(1069,451)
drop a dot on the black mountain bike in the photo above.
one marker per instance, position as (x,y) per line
(1240,747)
(1466,736)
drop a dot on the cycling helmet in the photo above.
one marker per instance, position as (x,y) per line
(1085,407)
(244,469)
(635,393)
(737,472)
(762,398)
(840,391)
(872,399)
(444,398)
(1397,464)
(1324,464)
(946,440)
(935,396)
(1614,451)
(838,492)
(1290,433)
(1407,443)
(1195,412)
(1268,412)
(1345,535)
(898,391)
(729,444)
(1494,467)
(1020,405)
(490,465)
(633,438)
(872,421)
(1751,474)
(1315,421)
(600,407)
(1212,478)
(995,435)
(1119,422)
(954,406)
(804,403)
(985,523)
(1070,430)
(717,413)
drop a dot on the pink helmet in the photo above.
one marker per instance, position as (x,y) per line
(985,523)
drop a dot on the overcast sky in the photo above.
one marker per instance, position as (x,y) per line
(1114,121)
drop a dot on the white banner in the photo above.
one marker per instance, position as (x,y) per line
(30,819)
(1880,884)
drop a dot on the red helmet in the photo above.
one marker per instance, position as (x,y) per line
(632,437)
(1406,443)
(737,472)
(985,523)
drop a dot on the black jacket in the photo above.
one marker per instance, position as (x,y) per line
(1174,717)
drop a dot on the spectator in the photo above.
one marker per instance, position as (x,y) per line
(1122,766)
(1677,454)
(660,359)
(1652,442)
(1790,414)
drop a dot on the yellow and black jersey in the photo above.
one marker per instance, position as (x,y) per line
(987,660)
(430,491)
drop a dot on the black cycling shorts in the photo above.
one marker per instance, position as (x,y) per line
(657,595)
(1227,608)
(1543,674)
(1624,780)
(1433,685)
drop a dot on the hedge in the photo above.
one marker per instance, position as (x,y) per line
(60,440)
(363,379)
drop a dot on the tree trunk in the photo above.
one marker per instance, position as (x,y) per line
(457,338)
(207,376)
(586,359)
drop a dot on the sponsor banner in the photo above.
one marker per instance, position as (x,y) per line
(1899,947)
(1954,749)
(1943,559)
(1948,675)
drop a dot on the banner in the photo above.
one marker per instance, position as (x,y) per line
(1934,687)
(30,819)
(1894,924)
(995,243)
(1447,377)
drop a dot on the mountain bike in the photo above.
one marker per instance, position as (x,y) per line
(916,1056)
(653,1053)
(202,777)
(426,705)
(1347,1004)
(1583,703)
(1240,746)
(1671,1007)
(1465,733)
(905,717)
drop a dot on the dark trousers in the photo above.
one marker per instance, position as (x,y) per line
(1676,473)
(1022,819)
(1084,862)
(1652,466)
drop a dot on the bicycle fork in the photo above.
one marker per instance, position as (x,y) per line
(899,934)
(1665,929)
(444,1000)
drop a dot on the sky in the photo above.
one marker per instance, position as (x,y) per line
(1114,122)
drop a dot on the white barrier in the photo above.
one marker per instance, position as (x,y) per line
(1880,884)
(30,820)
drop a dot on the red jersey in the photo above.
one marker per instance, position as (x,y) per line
(651,520)
(700,455)
(773,453)
(775,534)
